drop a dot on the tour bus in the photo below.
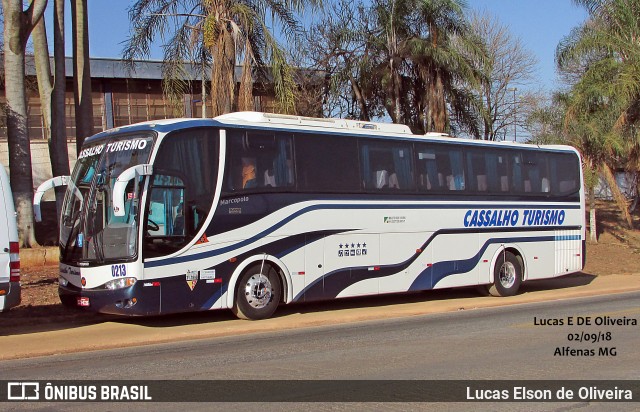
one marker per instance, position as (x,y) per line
(250,210)
(9,247)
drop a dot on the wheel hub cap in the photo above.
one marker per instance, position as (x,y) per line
(258,291)
(507,275)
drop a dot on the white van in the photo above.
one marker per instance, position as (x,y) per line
(9,247)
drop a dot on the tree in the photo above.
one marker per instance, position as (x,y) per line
(607,51)
(506,67)
(52,93)
(81,72)
(230,33)
(444,66)
(405,59)
(391,43)
(18,25)
(549,124)
(337,45)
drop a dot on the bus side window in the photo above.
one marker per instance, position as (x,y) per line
(327,164)
(476,169)
(440,168)
(565,173)
(386,165)
(258,161)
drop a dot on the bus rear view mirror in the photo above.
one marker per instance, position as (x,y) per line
(44,187)
(121,185)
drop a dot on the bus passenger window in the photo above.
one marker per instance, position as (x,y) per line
(386,165)
(476,170)
(258,161)
(326,163)
(565,173)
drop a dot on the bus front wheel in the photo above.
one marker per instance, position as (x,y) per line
(258,293)
(507,275)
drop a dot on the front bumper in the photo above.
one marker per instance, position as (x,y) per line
(136,300)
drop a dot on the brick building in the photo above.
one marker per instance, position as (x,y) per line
(120,97)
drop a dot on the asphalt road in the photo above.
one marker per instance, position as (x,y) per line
(494,343)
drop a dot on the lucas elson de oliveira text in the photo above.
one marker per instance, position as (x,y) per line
(522,393)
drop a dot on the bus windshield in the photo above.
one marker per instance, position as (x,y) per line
(89,231)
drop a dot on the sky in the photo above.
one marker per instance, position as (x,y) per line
(540,25)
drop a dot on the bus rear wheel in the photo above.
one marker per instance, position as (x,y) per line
(258,293)
(507,275)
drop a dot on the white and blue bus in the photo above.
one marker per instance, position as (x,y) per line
(251,210)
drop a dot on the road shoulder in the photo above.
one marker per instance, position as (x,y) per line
(111,333)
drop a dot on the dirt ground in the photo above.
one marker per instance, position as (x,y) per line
(617,252)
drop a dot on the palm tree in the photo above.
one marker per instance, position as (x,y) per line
(606,52)
(599,147)
(389,38)
(226,32)
(443,65)
(421,51)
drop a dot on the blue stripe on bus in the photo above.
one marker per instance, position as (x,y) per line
(430,277)
(266,232)
(331,284)
(279,249)
(568,237)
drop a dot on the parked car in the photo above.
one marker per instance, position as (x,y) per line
(9,247)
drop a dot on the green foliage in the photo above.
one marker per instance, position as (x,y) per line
(601,110)
(403,59)
(223,33)
(602,106)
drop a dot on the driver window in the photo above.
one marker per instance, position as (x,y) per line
(166,207)
(181,190)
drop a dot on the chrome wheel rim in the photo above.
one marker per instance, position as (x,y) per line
(258,291)
(507,275)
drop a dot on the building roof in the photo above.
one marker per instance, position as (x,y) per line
(108,68)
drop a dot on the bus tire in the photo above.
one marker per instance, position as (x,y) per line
(507,275)
(258,294)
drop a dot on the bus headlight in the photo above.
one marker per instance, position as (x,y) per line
(119,283)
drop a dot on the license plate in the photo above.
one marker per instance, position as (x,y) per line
(83,301)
